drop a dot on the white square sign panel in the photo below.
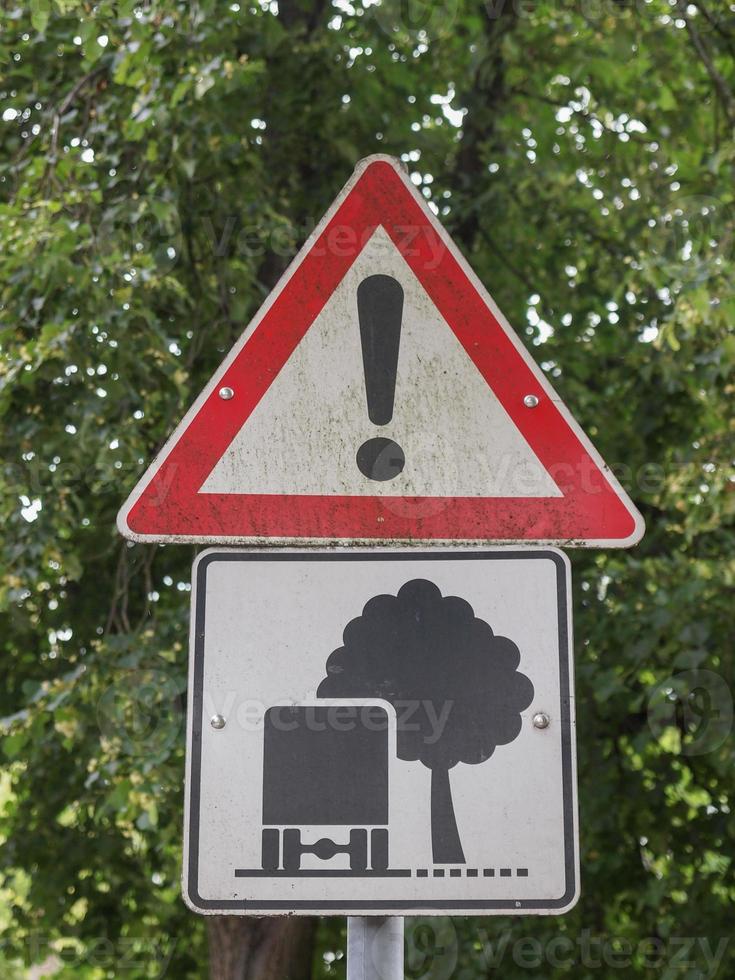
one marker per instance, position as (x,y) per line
(381,732)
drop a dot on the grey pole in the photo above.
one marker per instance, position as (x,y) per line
(375,947)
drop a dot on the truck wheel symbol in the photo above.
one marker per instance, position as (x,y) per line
(325,848)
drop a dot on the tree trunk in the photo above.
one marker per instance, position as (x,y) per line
(270,948)
(445,842)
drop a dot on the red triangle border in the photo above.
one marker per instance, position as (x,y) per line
(166,505)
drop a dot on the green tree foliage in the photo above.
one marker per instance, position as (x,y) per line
(160,161)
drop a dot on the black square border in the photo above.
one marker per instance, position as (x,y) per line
(398,907)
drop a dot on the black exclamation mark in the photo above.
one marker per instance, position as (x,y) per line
(380,311)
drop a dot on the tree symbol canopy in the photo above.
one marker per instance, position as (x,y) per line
(454,684)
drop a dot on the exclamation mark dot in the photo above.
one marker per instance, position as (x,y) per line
(380,311)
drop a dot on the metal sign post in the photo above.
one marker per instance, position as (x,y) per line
(374,947)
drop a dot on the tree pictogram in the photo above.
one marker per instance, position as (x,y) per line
(455,685)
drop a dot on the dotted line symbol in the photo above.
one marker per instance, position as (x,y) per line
(471,872)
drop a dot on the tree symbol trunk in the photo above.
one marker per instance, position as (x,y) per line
(445,843)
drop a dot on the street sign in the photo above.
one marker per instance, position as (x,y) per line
(374,733)
(380,395)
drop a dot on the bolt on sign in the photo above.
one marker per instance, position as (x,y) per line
(404,746)
(379,395)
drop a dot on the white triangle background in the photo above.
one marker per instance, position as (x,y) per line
(303,436)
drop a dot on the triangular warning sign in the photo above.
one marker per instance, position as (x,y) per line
(379,395)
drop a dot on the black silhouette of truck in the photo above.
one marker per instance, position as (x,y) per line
(325,766)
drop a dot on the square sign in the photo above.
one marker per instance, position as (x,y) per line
(381,732)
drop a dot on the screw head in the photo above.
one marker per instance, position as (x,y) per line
(530,401)
(226,393)
(541,720)
(217,722)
